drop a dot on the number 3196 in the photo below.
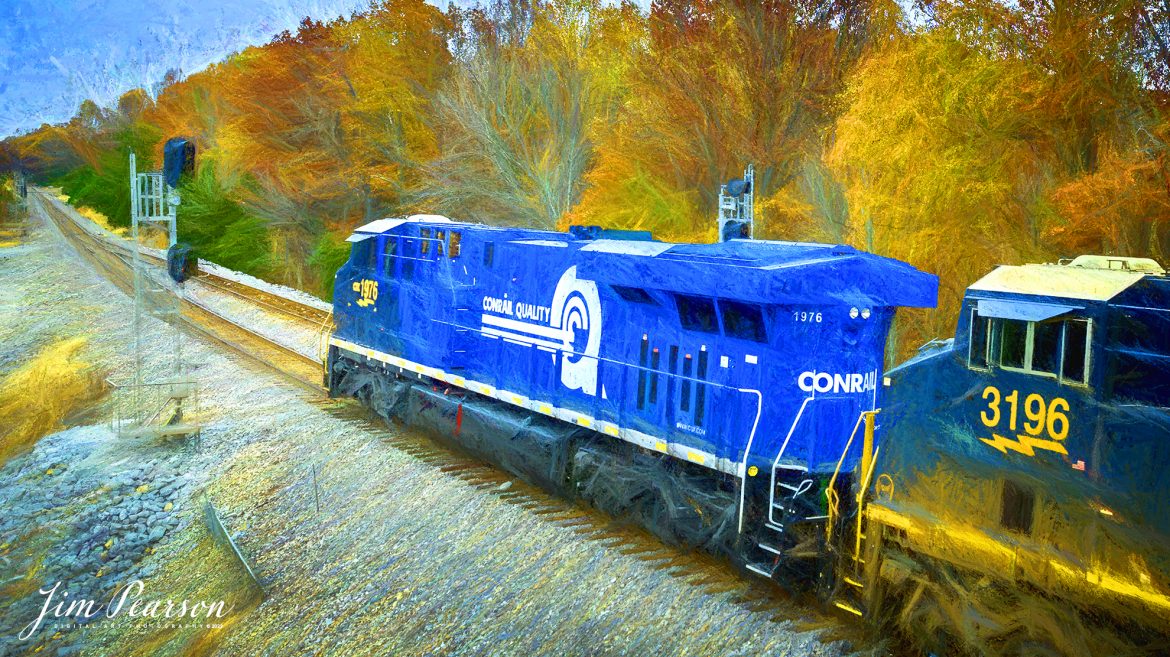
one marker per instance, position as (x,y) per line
(1040,415)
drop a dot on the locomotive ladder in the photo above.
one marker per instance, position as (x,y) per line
(852,572)
(774,522)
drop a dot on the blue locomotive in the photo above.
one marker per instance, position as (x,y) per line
(722,382)
(727,395)
(1022,477)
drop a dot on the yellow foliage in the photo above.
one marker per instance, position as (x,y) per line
(101,220)
(37,398)
(934,157)
(623,195)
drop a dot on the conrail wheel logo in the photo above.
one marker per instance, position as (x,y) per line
(571,324)
(837,383)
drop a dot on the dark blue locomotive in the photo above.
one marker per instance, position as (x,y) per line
(582,360)
(1023,472)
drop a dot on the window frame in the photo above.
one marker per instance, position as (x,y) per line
(986,367)
(995,348)
(1088,321)
(1029,347)
(680,299)
(999,343)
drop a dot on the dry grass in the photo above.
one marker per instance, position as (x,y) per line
(101,220)
(36,399)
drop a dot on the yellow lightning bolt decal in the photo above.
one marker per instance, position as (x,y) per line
(1025,445)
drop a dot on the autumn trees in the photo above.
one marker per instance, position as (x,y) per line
(1003,135)
(983,132)
(519,116)
(718,85)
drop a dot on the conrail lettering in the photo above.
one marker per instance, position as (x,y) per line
(519,310)
(837,383)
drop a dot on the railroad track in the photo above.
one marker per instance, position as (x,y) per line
(706,572)
(114,262)
(292,308)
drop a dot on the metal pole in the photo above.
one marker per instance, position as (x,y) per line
(750,201)
(867,446)
(138,356)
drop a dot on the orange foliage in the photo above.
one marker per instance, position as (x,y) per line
(1121,208)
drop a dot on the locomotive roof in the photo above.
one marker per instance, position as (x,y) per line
(1059,281)
(752,270)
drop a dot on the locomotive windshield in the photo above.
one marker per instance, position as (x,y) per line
(1057,348)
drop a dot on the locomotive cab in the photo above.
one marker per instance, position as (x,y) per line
(1031,449)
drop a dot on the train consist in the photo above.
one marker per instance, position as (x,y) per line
(732,397)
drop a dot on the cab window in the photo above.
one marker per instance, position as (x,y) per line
(977,345)
(453,244)
(743,320)
(362,253)
(389,250)
(697,313)
(1075,367)
(371,257)
(1013,343)
(1054,348)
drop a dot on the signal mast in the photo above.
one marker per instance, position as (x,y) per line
(160,406)
(737,207)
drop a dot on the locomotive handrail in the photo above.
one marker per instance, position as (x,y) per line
(831,496)
(324,332)
(792,429)
(747,449)
(866,475)
(780,454)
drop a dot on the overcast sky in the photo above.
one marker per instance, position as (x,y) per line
(56,53)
